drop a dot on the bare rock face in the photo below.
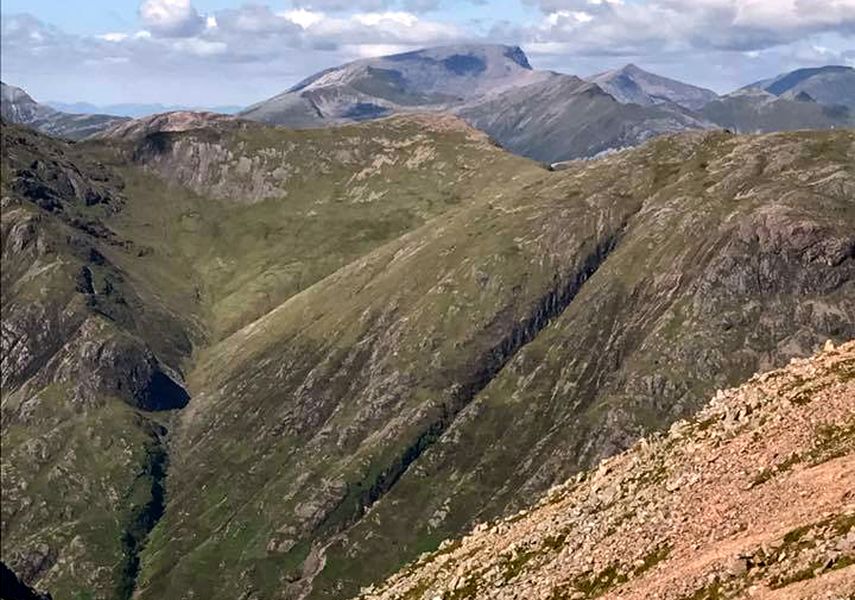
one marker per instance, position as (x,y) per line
(176,121)
(750,498)
(98,362)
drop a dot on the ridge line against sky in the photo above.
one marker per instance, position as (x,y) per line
(210,52)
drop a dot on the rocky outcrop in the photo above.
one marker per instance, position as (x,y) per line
(81,370)
(717,507)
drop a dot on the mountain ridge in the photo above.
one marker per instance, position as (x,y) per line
(810,80)
(19,107)
(545,115)
(434,78)
(630,84)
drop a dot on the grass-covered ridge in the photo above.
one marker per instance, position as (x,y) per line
(386,331)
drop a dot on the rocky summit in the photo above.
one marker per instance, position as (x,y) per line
(750,498)
(244,361)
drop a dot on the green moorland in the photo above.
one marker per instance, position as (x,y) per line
(247,362)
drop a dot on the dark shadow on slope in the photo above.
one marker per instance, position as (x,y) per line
(144,517)
(162,393)
(12,588)
(363,495)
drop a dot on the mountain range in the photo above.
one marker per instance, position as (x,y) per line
(551,117)
(247,361)
(135,111)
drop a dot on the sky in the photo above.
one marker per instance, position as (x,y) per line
(228,52)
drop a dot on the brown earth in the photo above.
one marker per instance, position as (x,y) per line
(755,498)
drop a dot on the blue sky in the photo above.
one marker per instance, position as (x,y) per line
(216,52)
(97,16)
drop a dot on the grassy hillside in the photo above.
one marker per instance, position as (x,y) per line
(116,271)
(320,353)
(449,374)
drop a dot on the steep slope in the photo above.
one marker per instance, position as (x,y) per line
(89,356)
(755,110)
(114,272)
(16,106)
(564,118)
(430,79)
(583,389)
(453,373)
(631,84)
(831,85)
(271,211)
(752,497)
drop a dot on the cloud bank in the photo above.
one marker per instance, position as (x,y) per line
(238,55)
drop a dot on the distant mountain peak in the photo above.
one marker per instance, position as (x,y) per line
(831,85)
(631,68)
(19,107)
(631,84)
(437,78)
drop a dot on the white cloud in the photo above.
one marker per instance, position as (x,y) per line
(171,18)
(561,17)
(342,5)
(304,18)
(372,50)
(684,24)
(386,18)
(114,37)
(200,47)
(397,28)
(261,48)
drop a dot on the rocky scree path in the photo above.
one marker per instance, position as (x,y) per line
(754,497)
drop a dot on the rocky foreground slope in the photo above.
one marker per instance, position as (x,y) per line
(753,497)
